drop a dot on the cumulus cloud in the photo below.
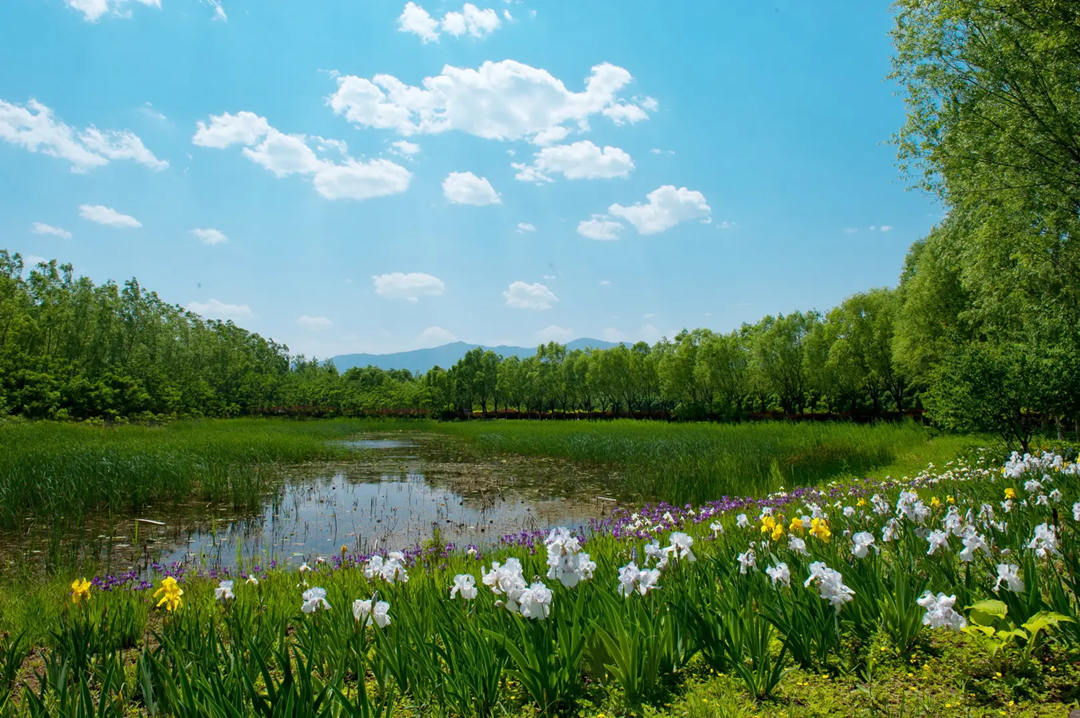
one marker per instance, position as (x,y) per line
(520,295)
(93,10)
(35,127)
(42,228)
(554,333)
(523,227)
(405,148)
(316,324)
(580,160)
(504,100)
(665,207)
(313,157)
(409,286)
(215,309)
(599,227)
(108,216)
(210,236)
(470,19)
(467,188)
(434,337)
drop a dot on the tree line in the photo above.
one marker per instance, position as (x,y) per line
(983,328)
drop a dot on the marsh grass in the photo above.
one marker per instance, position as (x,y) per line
(699,462)
(63,471)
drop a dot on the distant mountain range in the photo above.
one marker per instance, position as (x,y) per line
(420,360)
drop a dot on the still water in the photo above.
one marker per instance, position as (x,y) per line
(397,493)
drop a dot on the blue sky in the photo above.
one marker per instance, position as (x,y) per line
(374,175)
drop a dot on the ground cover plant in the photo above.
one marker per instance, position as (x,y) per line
(955,591)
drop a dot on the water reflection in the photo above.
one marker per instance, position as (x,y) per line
(384,500)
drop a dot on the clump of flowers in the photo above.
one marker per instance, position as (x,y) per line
(632,578)
(170,593)
(370,610)
(566,561)
(1045,542)
(779,574)
(465,586)
(939,611)
(830,585)
(391,568)
(1009,574)
(80,591)
(861,543)
(314,599)
(224,592)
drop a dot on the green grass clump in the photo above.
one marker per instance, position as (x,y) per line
(698,462)
(64,470)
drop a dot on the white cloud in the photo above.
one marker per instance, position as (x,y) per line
(243,128)
(215,309)
(108,216)
(416,20)
(470,19)
(36,128)
(408,286)
(504,100)
(405,148)
(851,230)
(554,333)
(467,188)
(600,227)
(219,10)
(665,208)
(726,225)
(210,236)
(42,228)
(288,154)
(520,295)
(434,337)
(523,227)
(885,228)
(315,324)
(606,282)
(580,160)
(92,10)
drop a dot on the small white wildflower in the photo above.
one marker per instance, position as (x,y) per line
(972,543)
(535,601)
(717,528)
(253,580)
(890,531)
(1076,511)
(680,546)
(741,521)
(797,545)
(849,511)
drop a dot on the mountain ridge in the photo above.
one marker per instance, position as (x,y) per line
(446,355)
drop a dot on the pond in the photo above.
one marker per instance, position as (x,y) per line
(397,493)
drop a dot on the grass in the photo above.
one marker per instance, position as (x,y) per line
(699,462)
(213,659)
(63,470)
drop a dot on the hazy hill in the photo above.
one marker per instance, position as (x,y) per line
(420,360)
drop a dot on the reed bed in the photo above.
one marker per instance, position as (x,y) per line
(695,462)
(65,470)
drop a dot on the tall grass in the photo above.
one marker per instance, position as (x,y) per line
(699,462)
(58,470)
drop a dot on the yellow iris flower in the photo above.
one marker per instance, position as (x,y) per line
(172,593)
(819,528)
(80,590)
(1010,493)
(796,525)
